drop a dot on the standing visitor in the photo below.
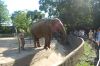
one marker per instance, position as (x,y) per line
(98,42)
(98,37)
(82,33)
(21,39)
(90,34)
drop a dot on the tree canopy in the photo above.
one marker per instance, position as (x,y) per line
(72,12)
(35,15)
(24,19)
(4,14)
(20,20)
(96,13)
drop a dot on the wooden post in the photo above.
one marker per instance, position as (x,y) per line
(19,48)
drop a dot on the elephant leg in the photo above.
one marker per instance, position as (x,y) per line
(47,42)
(38,44)
(35,42)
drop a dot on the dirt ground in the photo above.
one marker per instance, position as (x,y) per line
(56,54)
(9,52)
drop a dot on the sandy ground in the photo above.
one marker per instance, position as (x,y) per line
(51,57)
(9,50)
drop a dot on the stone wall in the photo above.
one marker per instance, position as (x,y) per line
(73,57)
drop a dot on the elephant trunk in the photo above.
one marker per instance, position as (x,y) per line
(58,28)
(63,34)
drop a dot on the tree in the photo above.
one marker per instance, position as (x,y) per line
(96,13)
(72,12)
(20,20)
(3,12)
(23,20)
(35,15)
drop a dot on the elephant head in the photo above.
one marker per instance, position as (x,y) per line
(58,29)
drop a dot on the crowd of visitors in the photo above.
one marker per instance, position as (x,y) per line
(92,35)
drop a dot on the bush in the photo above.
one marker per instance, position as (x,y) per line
(88,56)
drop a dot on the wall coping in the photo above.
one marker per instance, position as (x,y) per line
(73,52)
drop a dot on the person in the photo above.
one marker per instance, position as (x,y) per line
(98,37)
(82,33)
(90,34)
(21,39)
(98,42)
(94,35)
(76,32)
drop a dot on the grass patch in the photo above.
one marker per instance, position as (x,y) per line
(88,56)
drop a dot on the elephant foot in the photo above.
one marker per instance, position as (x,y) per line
(48,46)
(38,45)
(35,46)
(45,47)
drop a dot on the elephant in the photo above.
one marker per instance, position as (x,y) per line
(47,28)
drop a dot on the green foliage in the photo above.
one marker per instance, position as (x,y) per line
(20,20)
(35,15)
(88,56)
(48,6)
(3,12)
(73,13)
(96,13)
(23,20)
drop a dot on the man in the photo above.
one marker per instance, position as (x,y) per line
(21,39)
(98,37)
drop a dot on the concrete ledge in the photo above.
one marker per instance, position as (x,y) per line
(72,58)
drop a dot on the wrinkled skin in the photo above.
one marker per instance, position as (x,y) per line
(47,29)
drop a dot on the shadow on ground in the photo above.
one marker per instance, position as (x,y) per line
(26,57)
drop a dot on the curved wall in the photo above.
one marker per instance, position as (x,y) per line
(73,57)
